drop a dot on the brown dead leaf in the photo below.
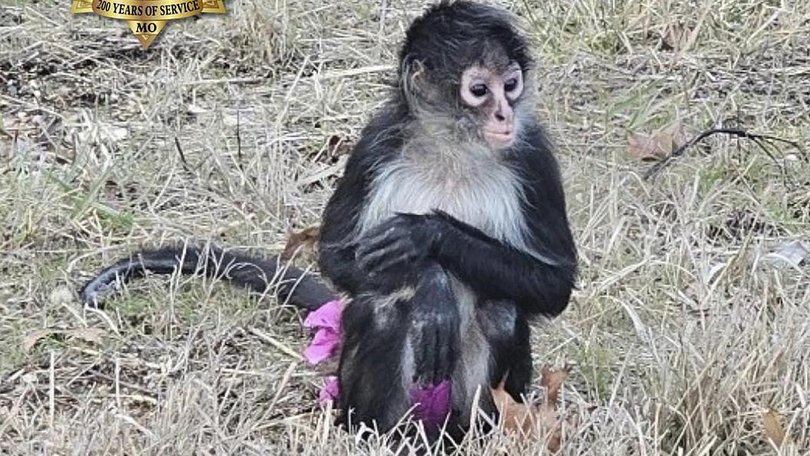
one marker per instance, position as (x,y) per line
(535,420)
(658,145)
(302,243)
(552,380)
(31,339)
(650,147)
(514,415)
(338,146)
(773,427)
(92,335)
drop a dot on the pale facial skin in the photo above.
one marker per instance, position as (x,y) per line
(491,92)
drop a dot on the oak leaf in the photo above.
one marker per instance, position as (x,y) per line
(302,243)
(535,420)
(658,145)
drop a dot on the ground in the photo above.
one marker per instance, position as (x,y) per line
(686,335)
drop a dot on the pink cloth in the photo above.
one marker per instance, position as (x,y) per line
(326,323)
(432,403)
(330,391)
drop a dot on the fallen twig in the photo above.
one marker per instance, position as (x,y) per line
(758,139)
(239,142)
(182,155)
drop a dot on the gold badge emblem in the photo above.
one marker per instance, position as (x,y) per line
(146,18)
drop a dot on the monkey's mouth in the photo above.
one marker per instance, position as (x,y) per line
(499,138)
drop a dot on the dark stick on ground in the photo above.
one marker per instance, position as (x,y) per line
(758,139)
(239,142)
(182,155)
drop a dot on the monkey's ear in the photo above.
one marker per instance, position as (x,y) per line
(418,70)
(417,83)
(412,70)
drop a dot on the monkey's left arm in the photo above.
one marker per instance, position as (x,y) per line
(336,250)
(500,271)
(540,282)
(341,216)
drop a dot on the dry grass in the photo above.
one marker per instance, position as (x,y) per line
(682,335)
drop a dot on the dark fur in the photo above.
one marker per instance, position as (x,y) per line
(257,274)
(453,35)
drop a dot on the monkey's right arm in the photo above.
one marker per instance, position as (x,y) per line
(379,142)
(337,244)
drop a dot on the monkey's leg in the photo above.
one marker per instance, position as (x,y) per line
(494,345)
(396,342)
(372,382)
(507,333)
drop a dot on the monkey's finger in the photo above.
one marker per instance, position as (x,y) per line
(369,253)
(378,236)
(407,219)
(444,358)
(376,245)
(382,244)
(439,352)
(425,366)
(442,351)
(430,356)
(441,359)
(402,262)
(384,231)
(372,261)
(388,258)
(450,347)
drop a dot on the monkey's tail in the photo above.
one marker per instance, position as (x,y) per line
(291,284)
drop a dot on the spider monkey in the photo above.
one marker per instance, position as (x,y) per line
(447,233)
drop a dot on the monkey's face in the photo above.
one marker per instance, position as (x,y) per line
(490,93)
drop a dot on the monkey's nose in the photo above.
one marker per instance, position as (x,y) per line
(502,113)
(502,116)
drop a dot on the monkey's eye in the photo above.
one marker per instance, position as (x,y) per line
(510,85)
(478,90)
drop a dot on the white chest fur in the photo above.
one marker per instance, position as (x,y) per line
(478,191)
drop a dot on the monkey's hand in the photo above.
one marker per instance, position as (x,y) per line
(434,335)
(398,245)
